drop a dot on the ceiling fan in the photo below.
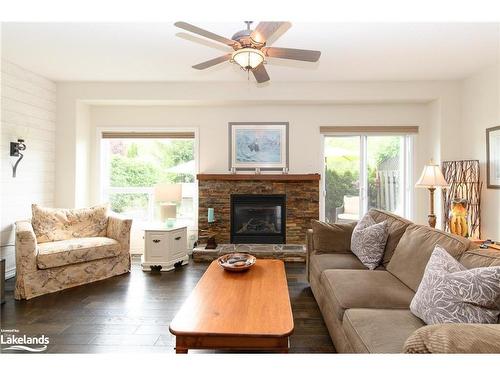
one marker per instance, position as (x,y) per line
(250,48)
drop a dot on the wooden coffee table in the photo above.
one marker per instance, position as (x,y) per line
(237,311)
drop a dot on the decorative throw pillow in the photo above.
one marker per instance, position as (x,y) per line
(368,241)
(451,293)
(57,224)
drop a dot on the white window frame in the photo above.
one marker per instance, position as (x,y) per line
(102,162)
(407,159)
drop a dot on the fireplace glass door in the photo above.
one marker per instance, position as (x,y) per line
(258,218)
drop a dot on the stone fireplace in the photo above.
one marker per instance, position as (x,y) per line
(258,218)
(300,194)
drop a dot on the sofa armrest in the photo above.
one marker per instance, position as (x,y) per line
(455,338)
(309,250)
(25,248)
(119,230)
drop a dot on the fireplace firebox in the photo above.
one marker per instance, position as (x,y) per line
(258,219)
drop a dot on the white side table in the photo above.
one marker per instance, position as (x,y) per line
(164,247)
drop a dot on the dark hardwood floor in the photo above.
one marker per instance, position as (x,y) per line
(131,313)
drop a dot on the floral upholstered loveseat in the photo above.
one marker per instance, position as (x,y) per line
(63,248)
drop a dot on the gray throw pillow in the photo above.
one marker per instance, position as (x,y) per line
(368,241)
(451,293)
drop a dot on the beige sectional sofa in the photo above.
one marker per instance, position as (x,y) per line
(368,311)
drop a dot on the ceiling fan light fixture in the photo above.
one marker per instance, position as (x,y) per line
(248,58)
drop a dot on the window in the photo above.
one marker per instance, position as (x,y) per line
(364,171)
(150,177)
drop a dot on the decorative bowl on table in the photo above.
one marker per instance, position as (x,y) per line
(236,262)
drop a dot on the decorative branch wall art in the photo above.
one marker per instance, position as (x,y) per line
(465,187)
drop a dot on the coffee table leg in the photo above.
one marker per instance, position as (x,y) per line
(180,348)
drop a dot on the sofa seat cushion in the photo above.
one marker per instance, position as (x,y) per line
(379,330)
(76,250)
(322,262)
(347,289)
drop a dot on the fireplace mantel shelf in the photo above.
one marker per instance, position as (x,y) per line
(259,177)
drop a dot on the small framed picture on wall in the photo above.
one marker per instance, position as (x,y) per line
(262,145)
(493,157)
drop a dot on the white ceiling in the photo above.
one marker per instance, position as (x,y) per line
(162,52)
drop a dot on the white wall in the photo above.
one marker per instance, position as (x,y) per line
(481,110)
(304,119)
(28,112)
(210,106)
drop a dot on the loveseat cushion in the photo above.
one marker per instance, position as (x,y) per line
(347,289)
(379,330)
(76,250)
(414,251)
(396,226)
(57,224)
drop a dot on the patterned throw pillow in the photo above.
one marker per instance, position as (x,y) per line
(57,224)
(451,293)
(368,241)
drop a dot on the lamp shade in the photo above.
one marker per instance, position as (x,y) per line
(248,58)
(166,192)
(431,177)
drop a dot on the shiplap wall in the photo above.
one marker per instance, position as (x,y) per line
(28,111)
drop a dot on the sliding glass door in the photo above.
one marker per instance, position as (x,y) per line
(366,171)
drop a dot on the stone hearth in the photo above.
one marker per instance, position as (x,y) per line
(302,200)
(287,253)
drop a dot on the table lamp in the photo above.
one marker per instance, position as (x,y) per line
(431,178)
(168,195)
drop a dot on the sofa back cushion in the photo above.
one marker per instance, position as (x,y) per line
(58,224)
(396,227)
(332,238)
(415,249)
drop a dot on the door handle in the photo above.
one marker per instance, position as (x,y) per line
(178,238)
(156,241)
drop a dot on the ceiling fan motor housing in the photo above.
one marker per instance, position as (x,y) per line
(244,38)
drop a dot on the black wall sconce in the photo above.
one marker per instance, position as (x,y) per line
(15,151)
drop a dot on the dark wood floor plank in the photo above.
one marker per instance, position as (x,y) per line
(131,313)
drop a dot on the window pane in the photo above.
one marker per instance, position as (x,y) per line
(151,181)
(385,173)
(342,178)
(134,205)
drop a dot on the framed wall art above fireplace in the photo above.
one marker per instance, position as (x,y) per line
(262,145)
(493,157)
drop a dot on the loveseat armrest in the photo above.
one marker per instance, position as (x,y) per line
(455,338)
(119,230)
(25,248)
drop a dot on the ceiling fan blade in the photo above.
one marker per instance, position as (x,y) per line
(260,74)
(205,33)
(209,63)
(266,30)
(292,53)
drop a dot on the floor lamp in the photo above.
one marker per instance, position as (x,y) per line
(431,178)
